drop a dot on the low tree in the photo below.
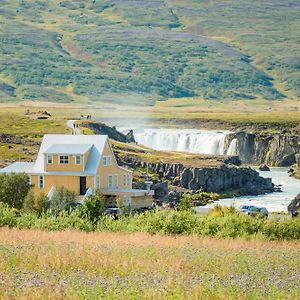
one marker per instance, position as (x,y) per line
(94,206)
(42,203)
(13,189)
(38,204)
(61,200)
(29,201)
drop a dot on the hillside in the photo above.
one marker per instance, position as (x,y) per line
(139,52)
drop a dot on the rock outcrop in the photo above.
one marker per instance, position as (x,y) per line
(7,138)
(295,204)
(111,132)
(278,149)
(214,179)
(264,167)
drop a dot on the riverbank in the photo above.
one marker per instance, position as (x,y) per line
(274,202)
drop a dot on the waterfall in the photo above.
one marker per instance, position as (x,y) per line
(232,149)
(184,140)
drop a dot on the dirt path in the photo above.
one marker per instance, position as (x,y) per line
(75,130)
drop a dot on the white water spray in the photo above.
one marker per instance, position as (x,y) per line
(232,149)
(185,140)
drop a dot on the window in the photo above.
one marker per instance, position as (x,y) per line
(78,160)
(110,181)
(63,159)
(41,182)
(29,179)
(49,159)
(107,161)
(116,183)
(98,182)
(128,179)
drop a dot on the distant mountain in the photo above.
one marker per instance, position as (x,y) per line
(138,51)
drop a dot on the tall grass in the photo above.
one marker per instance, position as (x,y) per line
(220,223)
(77,265)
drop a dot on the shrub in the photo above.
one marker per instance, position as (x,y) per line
(39,205)
(123,209)
(7,216)
(64,220)
(13,189)
(186,203)
(29,201)
(61,200)
(94,206)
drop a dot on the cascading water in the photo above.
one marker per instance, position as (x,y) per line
(232,149)
(184,140)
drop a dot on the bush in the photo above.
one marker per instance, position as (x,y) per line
(186,203)
(39,205)
(7,216)
(61,200)
(13,189)
(94,206)
(221,222)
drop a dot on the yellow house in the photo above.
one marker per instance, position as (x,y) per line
(83,164)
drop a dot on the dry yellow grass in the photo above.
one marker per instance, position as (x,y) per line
(14,236)
(76,265)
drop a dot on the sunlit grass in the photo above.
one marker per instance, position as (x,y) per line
(77,265)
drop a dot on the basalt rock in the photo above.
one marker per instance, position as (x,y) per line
(111,132)
(7,138)
(214,179)
(273,149)
(264,167)
(161,191)
(295,204)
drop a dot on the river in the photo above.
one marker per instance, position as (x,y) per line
(274,202)
(212,142)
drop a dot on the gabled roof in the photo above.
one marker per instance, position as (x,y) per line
(18,167)
(71,149)
(65,144)
(96,142)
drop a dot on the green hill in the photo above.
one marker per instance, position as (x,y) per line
(138,52)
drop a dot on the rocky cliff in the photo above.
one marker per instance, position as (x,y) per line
(278,149)
(111,132)
(214,179)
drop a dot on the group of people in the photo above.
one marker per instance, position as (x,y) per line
(88,117)
(76,129)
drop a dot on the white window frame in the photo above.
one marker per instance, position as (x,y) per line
(63,161)
(107,160)
(110,182)
(98,182)
(41,186)
(48,160)
(80,160)
(125,179)
(116,181)
(128,177)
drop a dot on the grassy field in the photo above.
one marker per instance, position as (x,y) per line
(26,134)
(77,265)
(141,53)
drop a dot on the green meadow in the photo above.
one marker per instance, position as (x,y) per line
(138,53)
